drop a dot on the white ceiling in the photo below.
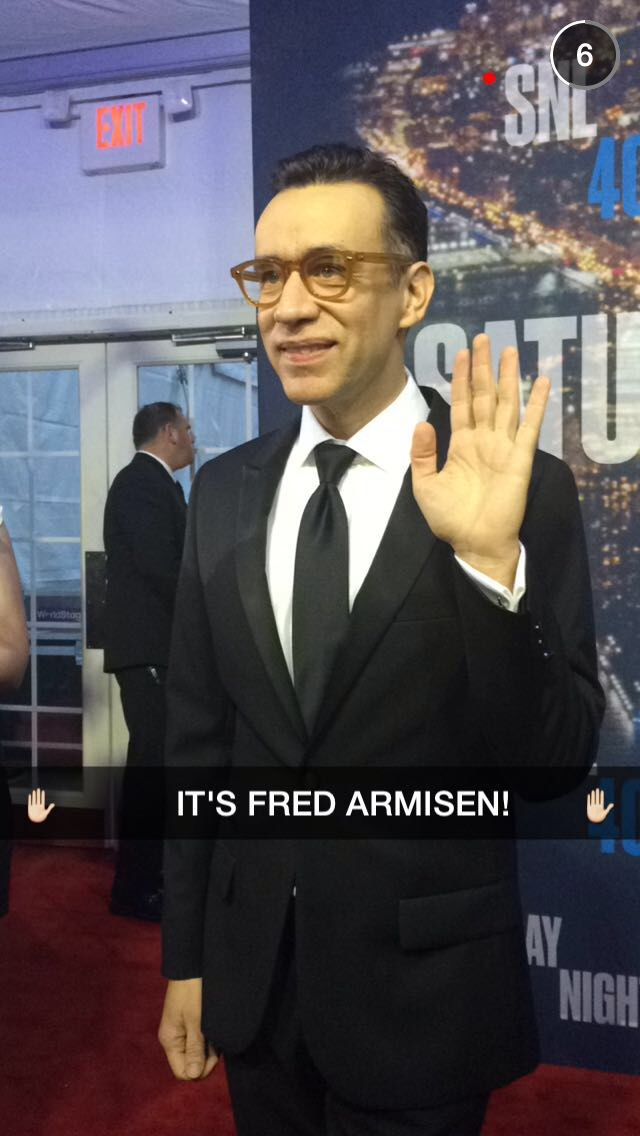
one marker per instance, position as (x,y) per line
(41,27)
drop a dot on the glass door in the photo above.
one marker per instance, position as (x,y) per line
(53,473)
(66,414)
(220,396)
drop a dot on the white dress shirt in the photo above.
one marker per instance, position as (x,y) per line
(369,490)
(162,463)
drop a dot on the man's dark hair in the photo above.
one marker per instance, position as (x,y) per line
(150,420)
(407,217)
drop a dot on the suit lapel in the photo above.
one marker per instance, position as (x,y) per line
(401,555)
(260,479)
(403,551)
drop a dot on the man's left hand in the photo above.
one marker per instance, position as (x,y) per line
(477,501)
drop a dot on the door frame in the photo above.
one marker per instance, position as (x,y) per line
(108,384)
(89,360)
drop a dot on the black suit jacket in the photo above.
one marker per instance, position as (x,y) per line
(412,976)
(144,526)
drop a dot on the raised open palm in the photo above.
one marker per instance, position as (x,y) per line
(477,501)
(37,809)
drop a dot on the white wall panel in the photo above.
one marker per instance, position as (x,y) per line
(72,242)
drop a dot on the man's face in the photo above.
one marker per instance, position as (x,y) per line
(345,353)
(183,448)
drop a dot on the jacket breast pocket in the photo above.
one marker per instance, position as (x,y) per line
(434,921)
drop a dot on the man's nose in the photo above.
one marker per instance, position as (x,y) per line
(296,301)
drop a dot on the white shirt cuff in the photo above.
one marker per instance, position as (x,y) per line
(496,592)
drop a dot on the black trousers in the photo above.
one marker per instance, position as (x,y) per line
(139,859)
(276,1089)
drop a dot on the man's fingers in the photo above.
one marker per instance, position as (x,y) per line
(184,1047)
(205,1065)
(211,1062)
(187,1062)
(174,1047)
(175,1057)
(483,388)
(508,409)
(424,455)
(475,398)
(461,403)
(194,1055)
(529,429)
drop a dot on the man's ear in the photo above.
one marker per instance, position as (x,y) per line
(419,289)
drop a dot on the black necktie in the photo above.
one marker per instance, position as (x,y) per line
(180,493)
(320,614)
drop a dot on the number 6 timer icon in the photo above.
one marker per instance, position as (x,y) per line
(585,55)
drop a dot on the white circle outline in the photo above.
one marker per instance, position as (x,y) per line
(592,86)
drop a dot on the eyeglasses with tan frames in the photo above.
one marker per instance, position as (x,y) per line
(326,273)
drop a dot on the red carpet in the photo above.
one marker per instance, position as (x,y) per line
(81,999)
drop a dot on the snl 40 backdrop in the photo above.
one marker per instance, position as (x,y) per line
(535,238)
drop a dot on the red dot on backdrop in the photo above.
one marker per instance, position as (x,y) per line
(490,78)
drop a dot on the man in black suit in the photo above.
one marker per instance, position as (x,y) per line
(144,524)
(371,586)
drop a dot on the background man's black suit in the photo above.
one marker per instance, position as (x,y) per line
(144,525)
(412,981)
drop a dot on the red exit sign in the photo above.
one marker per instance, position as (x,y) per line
(121,126)
(122,135)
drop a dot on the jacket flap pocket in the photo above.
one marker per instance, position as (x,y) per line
(221,870)
(433,921)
